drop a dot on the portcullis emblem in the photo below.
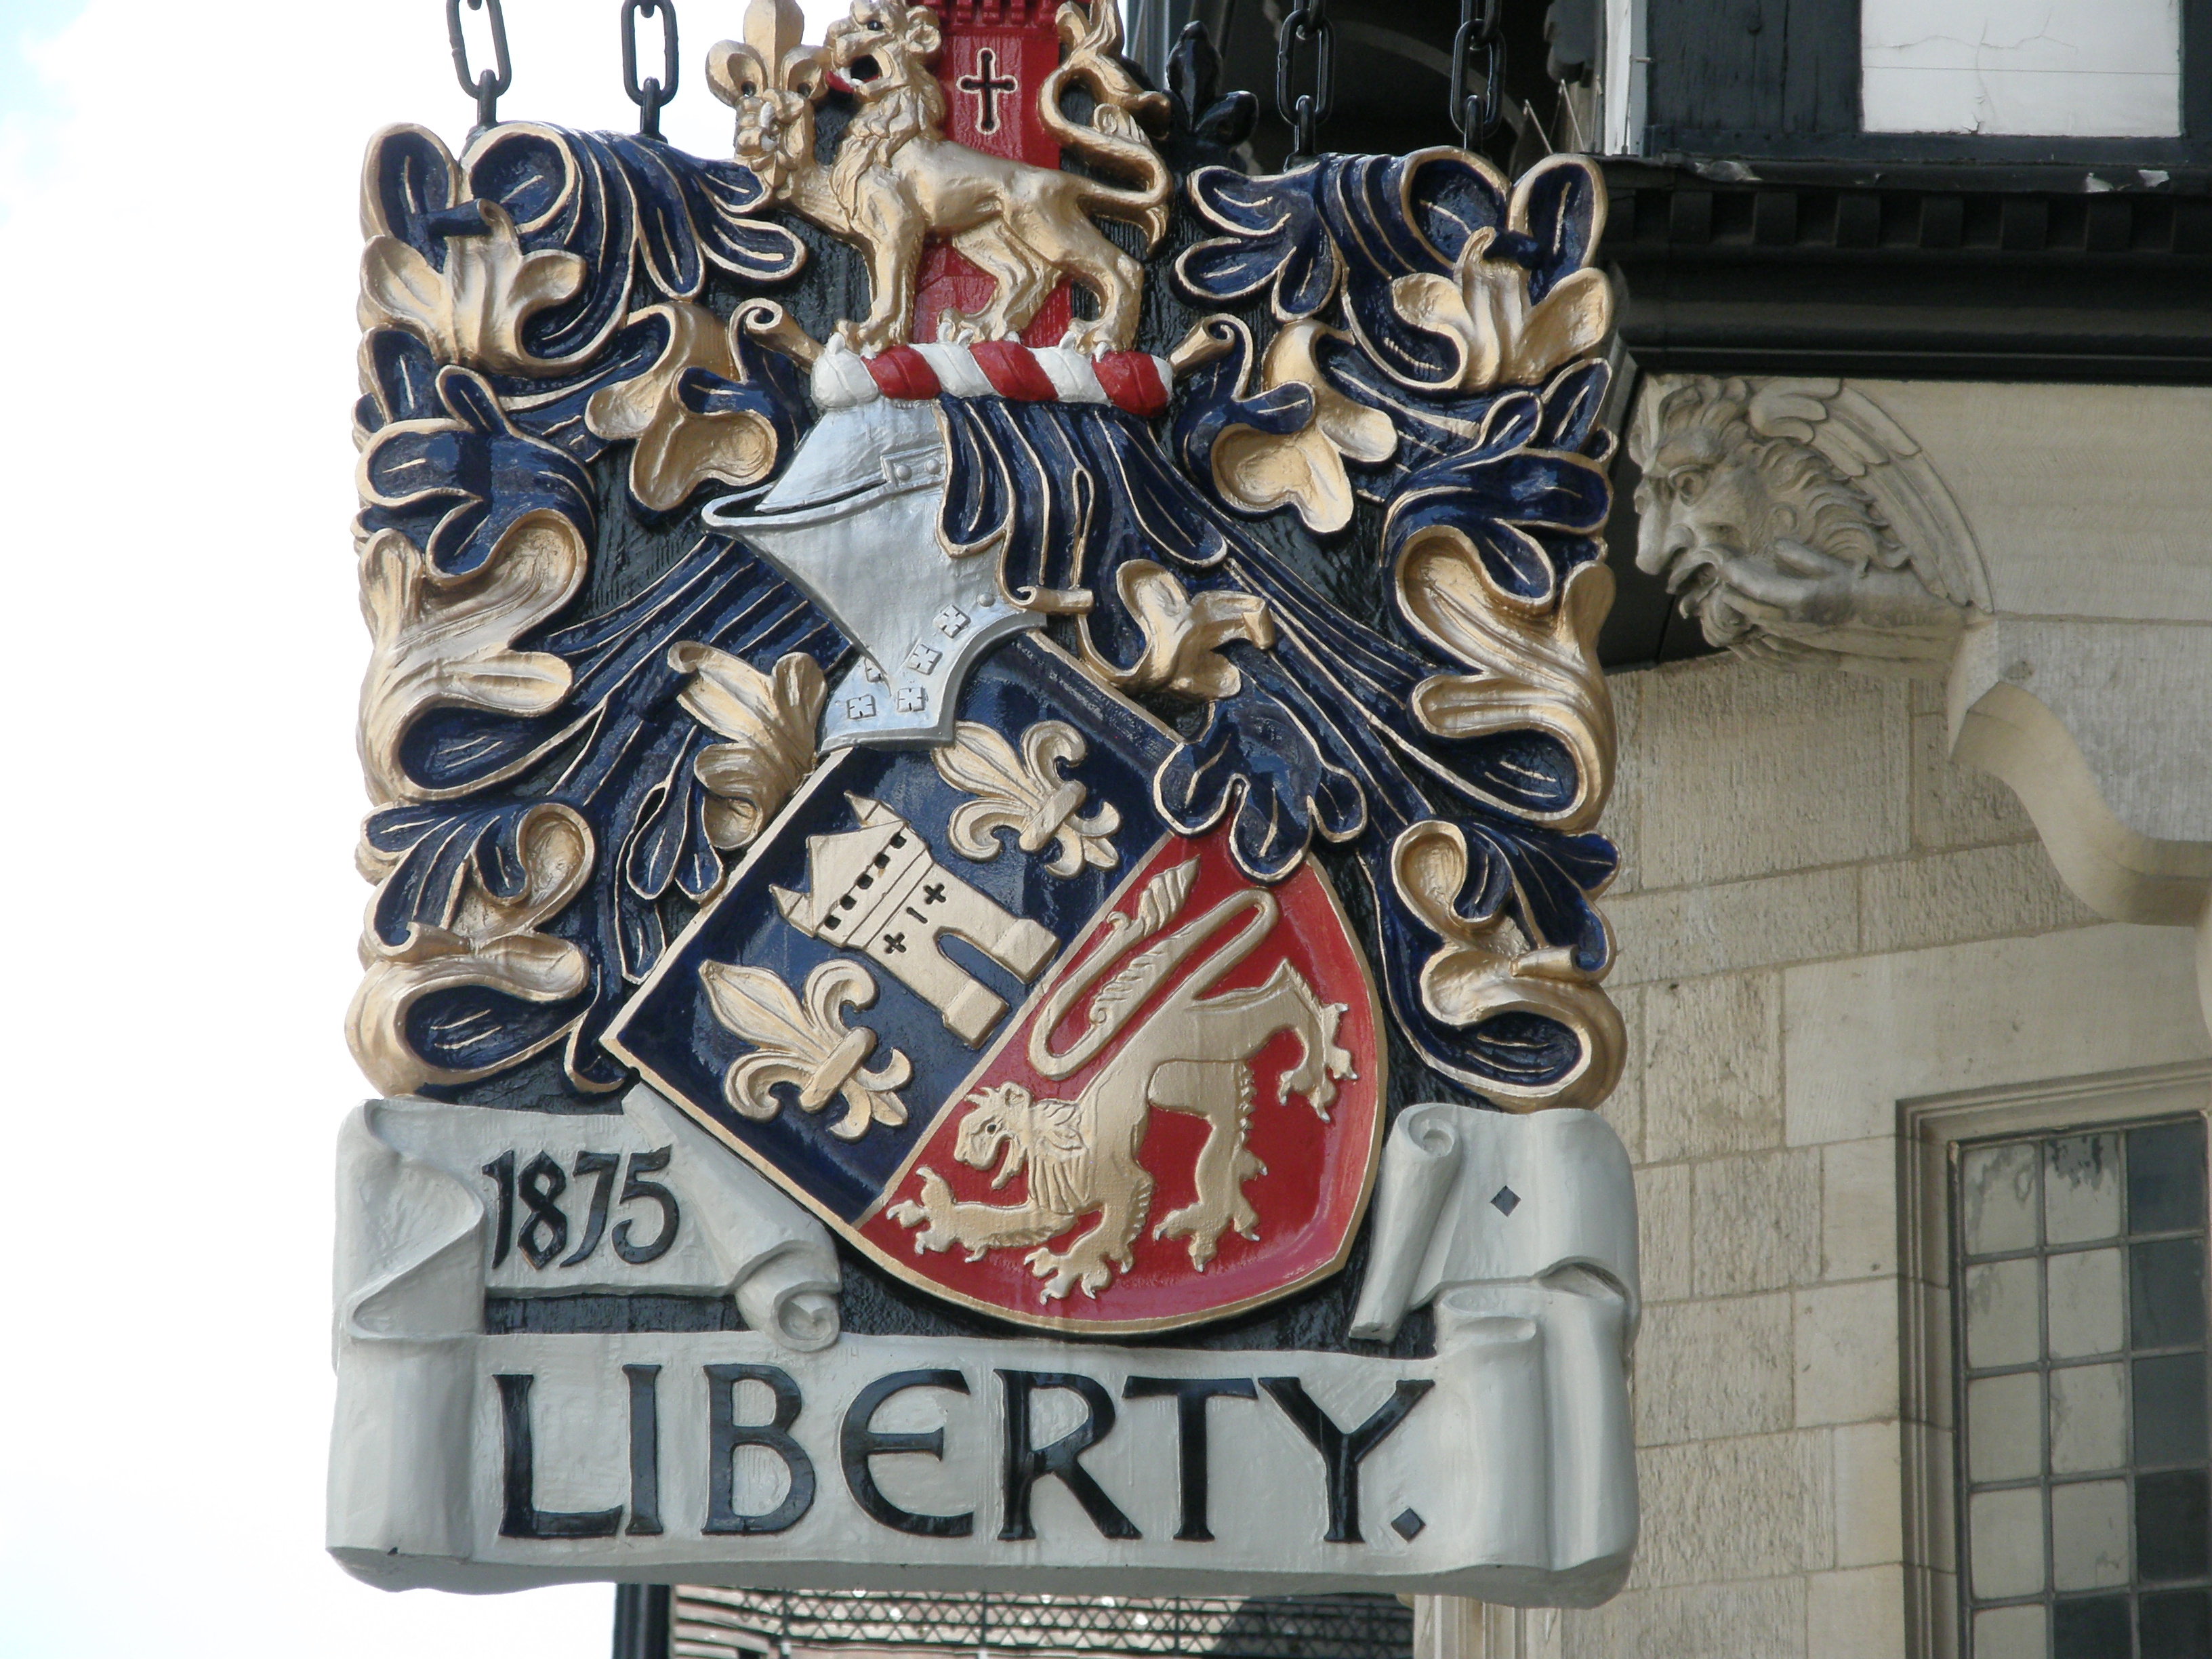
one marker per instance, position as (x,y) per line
(1004,692)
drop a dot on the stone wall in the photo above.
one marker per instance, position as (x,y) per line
(1819,916)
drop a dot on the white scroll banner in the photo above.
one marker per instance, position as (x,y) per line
(1499,1466)
(417,1216)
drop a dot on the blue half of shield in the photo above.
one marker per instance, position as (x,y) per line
(831,1002)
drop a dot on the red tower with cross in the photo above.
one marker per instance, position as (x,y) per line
(996,54)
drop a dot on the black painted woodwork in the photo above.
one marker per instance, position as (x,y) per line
(641,1622)
(1780,78)
(1770,66)
(1957,272)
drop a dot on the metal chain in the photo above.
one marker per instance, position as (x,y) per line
(653,97)
(1476,114)
(486,88)
(1306,23)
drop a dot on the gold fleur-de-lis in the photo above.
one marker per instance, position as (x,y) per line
(804,1041)
(1025,793)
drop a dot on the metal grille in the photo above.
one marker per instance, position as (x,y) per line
(2084,1458)
(725,1623)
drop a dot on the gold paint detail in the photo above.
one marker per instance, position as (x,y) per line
(772,325)
(804,1041)
(1481,972)
(1200,346)
(1483,307)
(678,448)
(1537,668)
(1261,471)
(896,182)
(472,311)
(440,640)
(878,890)
(1192,1055)
(1183,634)
(484,940)
(770,720)
(1024,793)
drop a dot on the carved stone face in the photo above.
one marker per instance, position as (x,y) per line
(1704,507)
(1778,554)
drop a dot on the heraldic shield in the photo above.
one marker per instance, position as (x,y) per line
(984,1011)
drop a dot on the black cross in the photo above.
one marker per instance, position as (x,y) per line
(987,84)
(934,894)
(894,943)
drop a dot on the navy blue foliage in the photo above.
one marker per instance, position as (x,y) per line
(1318,740)
(620,754)
(1257,764)
(411,181)
(1370,220)
(1531,512)
(1277,240)
(623,205)
(602,197)
(453,458)
(455,485)
(1527,493)
(1213,402)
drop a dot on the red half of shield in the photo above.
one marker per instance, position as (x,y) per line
(1182,1123)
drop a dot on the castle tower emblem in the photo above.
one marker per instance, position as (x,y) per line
(878,890)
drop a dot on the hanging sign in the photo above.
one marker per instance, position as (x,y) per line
(971,710)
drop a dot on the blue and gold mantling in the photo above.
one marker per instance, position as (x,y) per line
(580,716)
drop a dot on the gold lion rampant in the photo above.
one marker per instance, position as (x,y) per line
(1192,1055)
(897,182)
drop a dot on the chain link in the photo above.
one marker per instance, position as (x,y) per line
(651,97)
(486,88)
(1305,24)
(1476,114)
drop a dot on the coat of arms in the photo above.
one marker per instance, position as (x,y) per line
(1035,686)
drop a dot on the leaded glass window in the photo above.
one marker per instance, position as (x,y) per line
(2080,1264)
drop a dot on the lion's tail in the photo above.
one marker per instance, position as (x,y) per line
(1115,140)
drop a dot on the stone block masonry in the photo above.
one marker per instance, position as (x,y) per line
(1820,915)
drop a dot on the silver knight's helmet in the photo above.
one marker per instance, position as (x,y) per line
(854,522)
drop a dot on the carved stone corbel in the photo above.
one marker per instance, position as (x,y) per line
(2084,759)
(1802,525)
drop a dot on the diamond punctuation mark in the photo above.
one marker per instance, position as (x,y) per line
(1408,1524)
(1506,1200)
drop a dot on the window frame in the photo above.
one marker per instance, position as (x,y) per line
(1931,1130)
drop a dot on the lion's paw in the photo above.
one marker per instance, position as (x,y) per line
(1063,1273)
(1053,1267)
(1203,1224)
(869,338)
(1087,335)
(932,1213)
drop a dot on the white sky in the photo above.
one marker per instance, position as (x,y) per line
(178,244)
